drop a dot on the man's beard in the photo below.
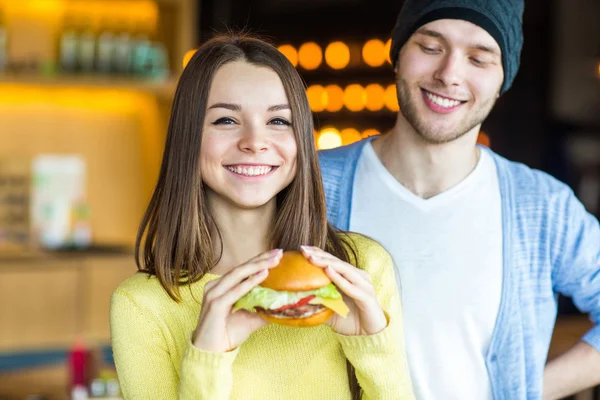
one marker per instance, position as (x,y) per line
(439,135)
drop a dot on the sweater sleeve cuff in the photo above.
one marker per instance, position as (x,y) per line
(373,343)
(206,375)
(209,359)
(592,337)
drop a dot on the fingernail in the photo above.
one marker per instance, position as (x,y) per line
(305,248)
(263,272)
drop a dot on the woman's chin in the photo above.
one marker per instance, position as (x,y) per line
(252,203)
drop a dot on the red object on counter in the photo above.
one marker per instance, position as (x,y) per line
(78,364)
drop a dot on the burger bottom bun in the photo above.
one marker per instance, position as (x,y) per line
(313,320)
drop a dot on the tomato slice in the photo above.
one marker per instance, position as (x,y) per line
(301,302)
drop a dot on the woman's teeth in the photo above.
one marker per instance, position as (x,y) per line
(251,171)
(446,103)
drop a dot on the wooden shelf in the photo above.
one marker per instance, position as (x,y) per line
(173,2)
(164,88)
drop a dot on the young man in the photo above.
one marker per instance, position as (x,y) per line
(482,244)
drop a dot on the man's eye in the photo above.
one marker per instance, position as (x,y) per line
(224,121)
(479,63)
(429,50)
(280,121)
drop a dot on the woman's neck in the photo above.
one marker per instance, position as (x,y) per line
(244,233)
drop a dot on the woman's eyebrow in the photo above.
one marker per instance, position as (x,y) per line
(228,106)
(279,107)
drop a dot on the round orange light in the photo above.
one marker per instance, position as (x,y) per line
(317,97)
(390,98)
(370,132)
(329,138)
(386,50)
(375,97)
(335,98)
(354,97)
(373,53)
(349,136)
(483,139)
(188,56)
(290,53)
(310,55)
(337,55)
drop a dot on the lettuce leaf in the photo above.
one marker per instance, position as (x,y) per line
(273,299)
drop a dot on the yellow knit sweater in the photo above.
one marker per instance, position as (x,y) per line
(155,359)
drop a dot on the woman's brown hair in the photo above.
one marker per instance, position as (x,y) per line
(177,233)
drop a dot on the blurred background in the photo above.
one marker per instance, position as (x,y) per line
(85,93)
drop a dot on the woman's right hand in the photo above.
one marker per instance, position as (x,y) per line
(219,330)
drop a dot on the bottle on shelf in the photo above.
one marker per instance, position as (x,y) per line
(3,42)
(78,367)
(86,49)
(158,64)
(159,56)
(141,48)
(123,46)
(81,229)
(150,59)
(106,48)
(68,45)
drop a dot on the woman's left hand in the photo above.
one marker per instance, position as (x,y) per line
(366,316)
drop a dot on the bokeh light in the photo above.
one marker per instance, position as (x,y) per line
(290,53)
(349,136)
(317,97)
(390,98)
(373,53)
(370,132)
(484,139)
(329,138)
(387,49)
(335,98)
(188,56)
(374,97)
(354,97)
(337,55)
(310,56)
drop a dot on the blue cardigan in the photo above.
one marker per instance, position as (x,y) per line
(551,245)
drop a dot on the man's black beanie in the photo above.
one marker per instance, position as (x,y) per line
(502,19)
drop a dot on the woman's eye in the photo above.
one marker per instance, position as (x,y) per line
(280,121)
(224,121)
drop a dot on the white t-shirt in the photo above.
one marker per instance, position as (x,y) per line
(448,255)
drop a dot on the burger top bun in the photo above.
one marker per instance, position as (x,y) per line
(295,274)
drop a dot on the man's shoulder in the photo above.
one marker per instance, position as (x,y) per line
(337,171)
(527,182)
(339,156)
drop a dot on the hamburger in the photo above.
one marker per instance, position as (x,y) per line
(296,293)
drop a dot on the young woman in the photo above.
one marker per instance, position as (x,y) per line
(240,181)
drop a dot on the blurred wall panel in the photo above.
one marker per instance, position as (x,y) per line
(101,276)
(121,151)
(29,323)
